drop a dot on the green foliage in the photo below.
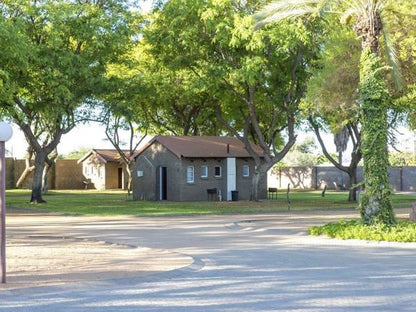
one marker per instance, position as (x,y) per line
(307,146)
(176,101)
(13,58)
(304,153)
(76,154)
(375,205)
(332,89)
(214,44)
(402,159)
(370,21)
(62,49)
(249,81)
(405,39)
(403,231)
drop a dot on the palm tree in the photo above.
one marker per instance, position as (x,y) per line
(341,139)
(367,20)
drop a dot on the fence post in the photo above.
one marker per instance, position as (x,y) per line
(323,192)
(401,178)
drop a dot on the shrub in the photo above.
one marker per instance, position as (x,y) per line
(403,231)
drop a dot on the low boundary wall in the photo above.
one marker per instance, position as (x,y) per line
(65,174)
(401,178)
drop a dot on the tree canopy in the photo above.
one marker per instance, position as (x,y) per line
(196,67)
(62,48)
(369,19)
(249,83)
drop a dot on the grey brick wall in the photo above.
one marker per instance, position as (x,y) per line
(144,187)
(401,178)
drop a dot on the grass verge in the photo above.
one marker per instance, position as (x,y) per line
(91,202)
(403,231)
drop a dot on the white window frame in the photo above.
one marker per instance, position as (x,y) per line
(246,171)
(215,171)
(190,174)
(204,171)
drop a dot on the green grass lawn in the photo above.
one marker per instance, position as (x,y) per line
(89,202)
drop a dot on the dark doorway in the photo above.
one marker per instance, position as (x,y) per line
(120,178)
(162,185)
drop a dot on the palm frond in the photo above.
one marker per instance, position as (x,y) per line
(396,9)
(285,9)
(359,7)
(324,6)
(348,15)
(392,59)
(278,16)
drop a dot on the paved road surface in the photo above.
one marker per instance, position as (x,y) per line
(238,263)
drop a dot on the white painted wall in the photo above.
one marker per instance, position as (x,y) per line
(231,176)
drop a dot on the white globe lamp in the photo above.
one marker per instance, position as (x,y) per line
(6,131)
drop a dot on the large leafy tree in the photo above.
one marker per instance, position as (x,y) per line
(176,102)
(144,96)
(331,101)
(252,80)
(64,47)
(121,114)
(174,97)
(115,125)
(125,123)
(369,20)
(406,52)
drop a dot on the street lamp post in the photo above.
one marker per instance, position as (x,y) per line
(6,133)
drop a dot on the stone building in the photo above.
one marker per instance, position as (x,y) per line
(194,168)
(103,169)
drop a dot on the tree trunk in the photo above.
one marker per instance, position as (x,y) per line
(28,168)
(375,203)
(255,185)
(50,160)
(352,194)
(259,172)
(25,174)
(36,196)
(129,177)
(356,155)
(45,185)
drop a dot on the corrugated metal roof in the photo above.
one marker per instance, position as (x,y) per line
(204,146)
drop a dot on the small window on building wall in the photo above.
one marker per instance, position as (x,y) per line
(204,171)
(190,174)
(217,171)
(246,171)
(100,172)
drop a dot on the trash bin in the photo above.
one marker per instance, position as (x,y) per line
(234,195)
